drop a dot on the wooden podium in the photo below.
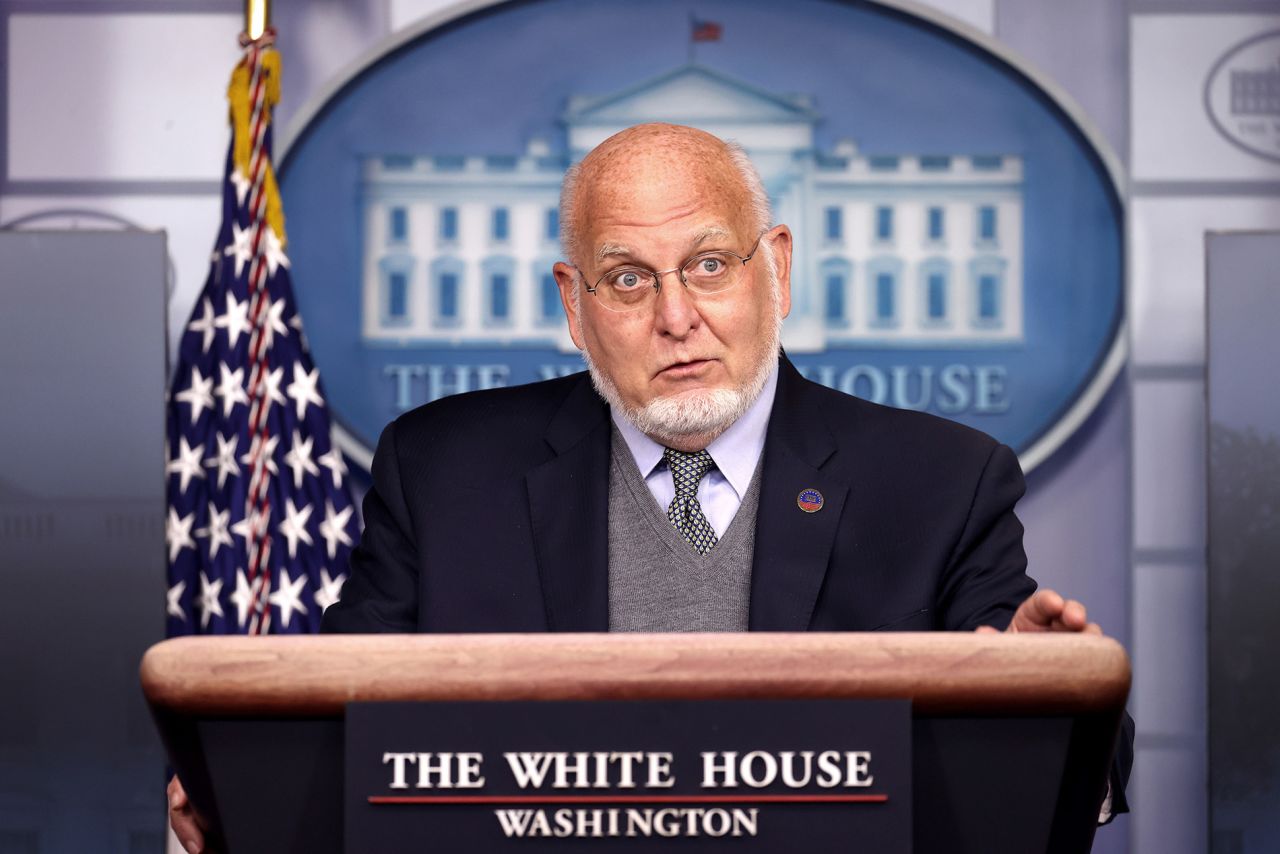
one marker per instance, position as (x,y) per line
(1012,736)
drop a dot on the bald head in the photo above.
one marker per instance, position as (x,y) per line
(643,165)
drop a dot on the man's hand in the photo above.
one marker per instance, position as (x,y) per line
(183,818)
(1046,611)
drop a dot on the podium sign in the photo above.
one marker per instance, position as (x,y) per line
(749,775)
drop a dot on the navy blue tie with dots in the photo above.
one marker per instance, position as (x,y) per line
(685,513)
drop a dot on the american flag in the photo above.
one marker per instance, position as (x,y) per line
(260,518)
(705,31)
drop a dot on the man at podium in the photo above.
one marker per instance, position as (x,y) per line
(692,480)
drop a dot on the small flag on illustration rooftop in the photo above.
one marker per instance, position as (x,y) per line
(260,517)
(706,31)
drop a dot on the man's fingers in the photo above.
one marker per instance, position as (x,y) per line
(987,630)
(177,794)
(1044,607)
(182,818)
(1037,612)
(1046,611)
(1073,618)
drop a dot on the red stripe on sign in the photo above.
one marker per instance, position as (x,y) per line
(628,799)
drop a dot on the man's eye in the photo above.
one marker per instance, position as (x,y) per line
(707,268)
(626,280)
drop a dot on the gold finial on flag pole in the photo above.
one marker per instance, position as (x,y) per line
(257,17)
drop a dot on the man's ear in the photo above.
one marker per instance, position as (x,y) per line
(779,238)
(566,280)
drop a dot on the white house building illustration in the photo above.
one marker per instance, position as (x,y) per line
(919,249)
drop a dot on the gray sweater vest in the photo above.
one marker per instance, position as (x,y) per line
(657,583)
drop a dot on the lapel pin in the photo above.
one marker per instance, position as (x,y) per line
(810,500)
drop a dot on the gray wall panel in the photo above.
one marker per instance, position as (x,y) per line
(81,538)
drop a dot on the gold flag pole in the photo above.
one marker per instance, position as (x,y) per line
(257,17)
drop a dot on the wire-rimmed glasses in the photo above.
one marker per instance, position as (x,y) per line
(630,287)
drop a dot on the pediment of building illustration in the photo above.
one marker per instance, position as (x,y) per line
(691,94)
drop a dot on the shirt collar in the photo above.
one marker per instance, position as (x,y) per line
(736,451)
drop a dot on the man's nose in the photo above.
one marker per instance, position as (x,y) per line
(675,312)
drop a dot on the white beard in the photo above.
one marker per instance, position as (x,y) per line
(705,413)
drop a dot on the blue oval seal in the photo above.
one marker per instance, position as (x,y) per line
(959,232)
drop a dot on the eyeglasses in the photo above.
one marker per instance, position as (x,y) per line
(631,288)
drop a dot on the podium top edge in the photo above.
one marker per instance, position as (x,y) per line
(941,672)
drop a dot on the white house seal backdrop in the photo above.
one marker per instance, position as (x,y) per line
(959,242)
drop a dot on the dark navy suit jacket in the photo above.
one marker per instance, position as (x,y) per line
(489,513)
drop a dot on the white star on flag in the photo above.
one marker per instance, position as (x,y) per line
(303,388)
(274,324)
(199,394)
(208,603)
(187,464)
(177,533)
(288,596)
(256,520)
(244,596)
(235,320)
(334,528)
(271,388)
(330,589)
(217,531)
(294,527)
(173,598)
(299,459)
(225,461)
(241,183)
(268,451)
(231,389)
(274,251)
(241,246)
(204,325)
(333,462)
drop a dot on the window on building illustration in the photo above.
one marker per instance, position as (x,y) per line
(989,298)
(447,297)
(835,298)
(397,297)
(937,224)
(399,225)
(553,225)
(935,163)
(549,297)
(987,223)
(936,296)
(884,223)
(885,297)
(500,227)
(834,223)
(448,223)
(500,296)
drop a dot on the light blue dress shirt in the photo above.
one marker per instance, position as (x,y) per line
(736,452)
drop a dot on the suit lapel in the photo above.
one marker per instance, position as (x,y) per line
(569,510)
(792,547)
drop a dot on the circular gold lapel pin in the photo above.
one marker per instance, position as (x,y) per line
(809,500)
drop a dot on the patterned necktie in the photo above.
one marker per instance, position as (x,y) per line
(685,512)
